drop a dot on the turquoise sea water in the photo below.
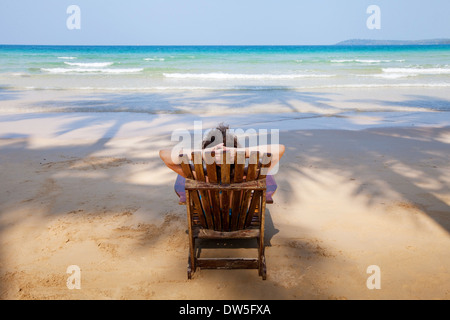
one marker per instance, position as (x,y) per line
(222,68)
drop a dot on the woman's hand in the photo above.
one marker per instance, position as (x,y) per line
(216,148)
(219,149)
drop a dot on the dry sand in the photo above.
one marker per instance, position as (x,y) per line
(346,200)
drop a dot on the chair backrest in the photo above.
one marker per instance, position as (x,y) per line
(225,196)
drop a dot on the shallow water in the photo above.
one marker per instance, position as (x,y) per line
(156,79)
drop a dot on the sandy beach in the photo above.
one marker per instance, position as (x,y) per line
(95,98)
(89,189)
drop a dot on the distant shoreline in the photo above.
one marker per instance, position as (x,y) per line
(348,43)
(368,42)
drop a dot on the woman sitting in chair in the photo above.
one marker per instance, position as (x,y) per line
(218,140)
(223,210)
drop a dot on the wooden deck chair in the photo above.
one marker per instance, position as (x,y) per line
(226,202)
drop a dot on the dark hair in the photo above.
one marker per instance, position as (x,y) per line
(221,130)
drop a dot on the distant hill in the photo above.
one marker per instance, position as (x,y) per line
(365,42)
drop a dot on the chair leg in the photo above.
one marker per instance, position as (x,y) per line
(191,259)
(191,262)
(259,257)
(261,260)
(263,272)
(189,268)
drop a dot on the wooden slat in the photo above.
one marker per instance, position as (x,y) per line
(197,158)
(225,167)
(246,185)
(197,207)
(227,263)
(239,166)
(186,167)
(253,162)
(265,164)
(225,179)
(251,175)
(215,200)
(256,198)
(239,234)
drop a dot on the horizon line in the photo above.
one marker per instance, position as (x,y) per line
(219,45)
(339,43)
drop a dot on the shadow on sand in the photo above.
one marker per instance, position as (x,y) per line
(426,144)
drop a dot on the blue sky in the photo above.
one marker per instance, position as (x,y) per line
(215,22)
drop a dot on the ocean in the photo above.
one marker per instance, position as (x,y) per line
(148,73)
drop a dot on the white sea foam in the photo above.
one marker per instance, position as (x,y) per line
(416,71)
(355,60)
(369,61)
(91,70)
(67,58)
(154,59)
(386,85)
(240,76)
(90,64)
(143,89)
(389,75)
(394,75)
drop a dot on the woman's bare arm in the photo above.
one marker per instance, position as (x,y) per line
(166,156)
(170,157)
